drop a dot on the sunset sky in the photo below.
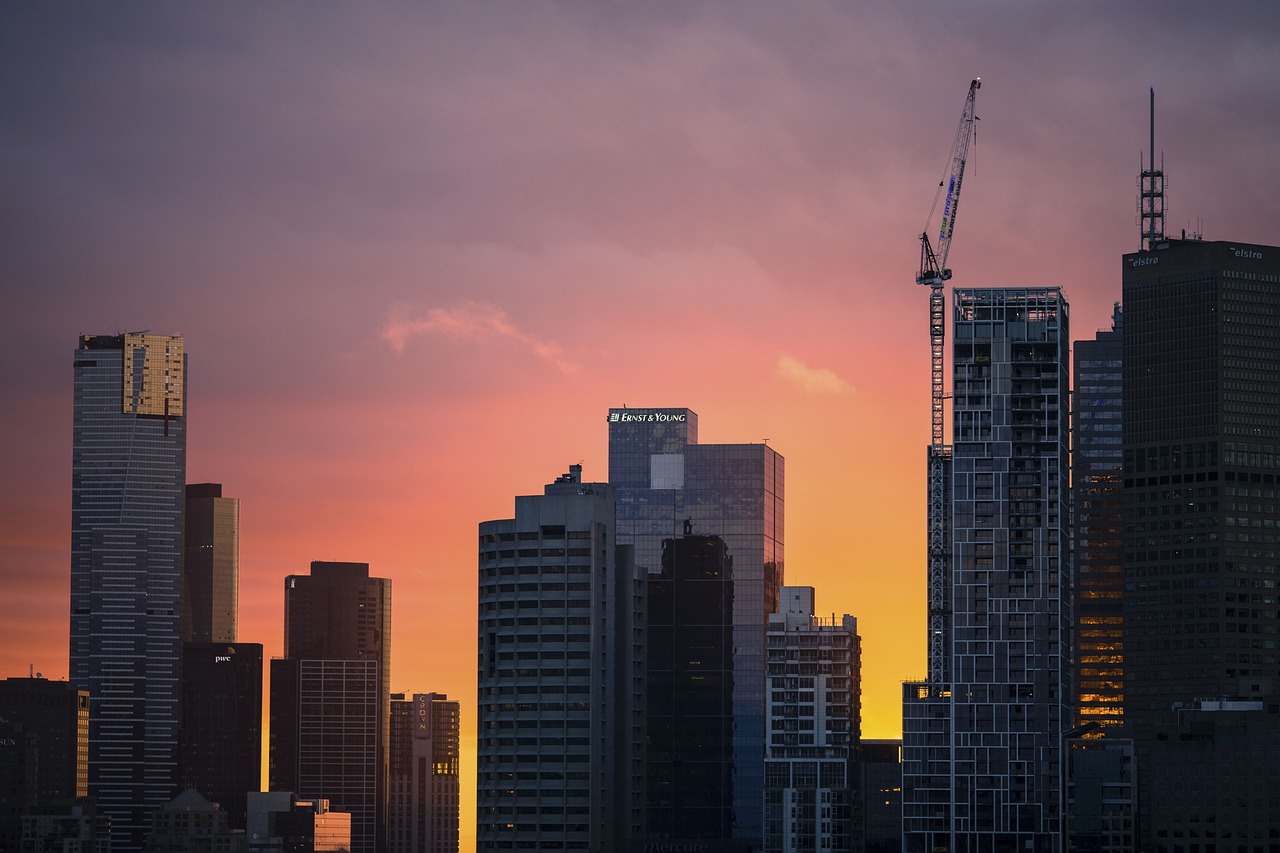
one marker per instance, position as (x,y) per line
(417,250)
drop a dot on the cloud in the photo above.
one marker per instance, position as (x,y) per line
(475,322)
(811,380)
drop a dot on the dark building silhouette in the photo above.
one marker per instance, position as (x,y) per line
(1201,461)
(57,713)
(211,565)
(880,765)
(422,808)
(663,477)
(689,704)
(330,697)
(128,471)
(221,739)
(190,823)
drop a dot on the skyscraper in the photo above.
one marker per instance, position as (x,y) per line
(981,752)
(1098,523)
(560,719)
(812,797)
(128,470)
(330,696)
(211,565)
(220,748)
(422,809)
(664,478)
(1201,462)
(689,701)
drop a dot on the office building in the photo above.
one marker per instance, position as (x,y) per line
(1201,460)
(57,713)
(1101,794)
(689,699)
(66,826)
(981,753)
(663,478)
(422,808)
(1097,460)
(812,797)
(220,748)
(128,471)
(560,713)
(211,565)
(330,696)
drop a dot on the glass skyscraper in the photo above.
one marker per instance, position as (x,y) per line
(128,470)
(664,478)
(211,566)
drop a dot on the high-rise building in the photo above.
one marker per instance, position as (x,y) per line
(1201,464)
(221,738)
(880,763)
(812,800)
(689,698)
(422,807)
(330,696)
(211,565)
(663,478)
(1097,460)
(57,712)
(128,471)
(981,752)
(560,713)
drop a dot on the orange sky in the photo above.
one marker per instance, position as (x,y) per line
(417,252)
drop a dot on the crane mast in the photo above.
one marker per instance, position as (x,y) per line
(935,273)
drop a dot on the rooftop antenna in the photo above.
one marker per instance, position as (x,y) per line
(1151,190)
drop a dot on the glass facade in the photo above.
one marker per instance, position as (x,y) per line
(211,566)
(128,473)
(664,479)
(422,813)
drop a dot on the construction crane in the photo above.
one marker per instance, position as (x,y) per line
(934,273)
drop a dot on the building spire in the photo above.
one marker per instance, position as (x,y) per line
(1151,189)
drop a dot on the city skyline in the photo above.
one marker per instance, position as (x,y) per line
(422,253)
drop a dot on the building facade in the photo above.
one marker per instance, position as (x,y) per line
(57,712)
(128,473)
(1097,461)
(220,745)
(689,700)
(422,807)
(1201,461)
(663,478)
(560,696)
(812,797)
(211,565)
(982,752)
(330,696)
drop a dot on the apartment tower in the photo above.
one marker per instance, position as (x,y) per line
(981,753)
(422,808)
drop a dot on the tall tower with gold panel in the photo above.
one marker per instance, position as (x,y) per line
(128,470)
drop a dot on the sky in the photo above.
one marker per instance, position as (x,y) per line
(417,250)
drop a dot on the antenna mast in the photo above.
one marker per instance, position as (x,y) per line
(1151,190)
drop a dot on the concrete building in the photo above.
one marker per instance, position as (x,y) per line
(189,823)
(663,478)
(211,565)
(560,713)
(280,822)
(880,762)
(811,796)
(128,472)
(330,696)
(422,807)
(981,752)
